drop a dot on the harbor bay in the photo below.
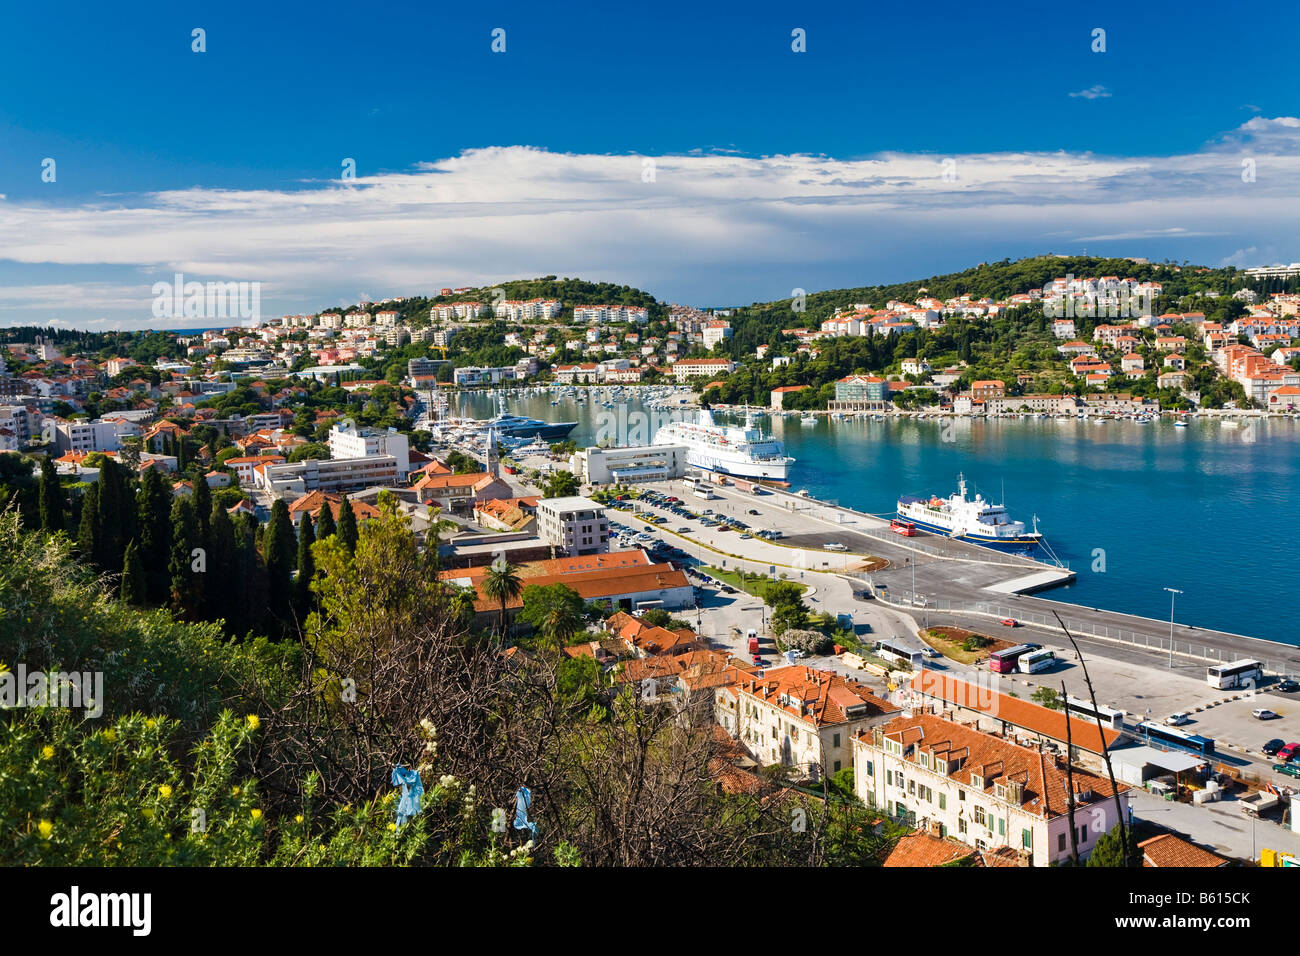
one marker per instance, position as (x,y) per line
(1130,508)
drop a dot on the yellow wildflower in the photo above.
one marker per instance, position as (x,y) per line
(46,828)
(47,751)
(253,722)
(164,790)
(257,814)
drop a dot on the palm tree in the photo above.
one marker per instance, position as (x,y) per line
(502,583)
(556,611)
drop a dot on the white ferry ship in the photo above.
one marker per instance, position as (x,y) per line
(742,451)
(975,520)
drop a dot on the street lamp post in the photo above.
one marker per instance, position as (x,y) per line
(1173,593)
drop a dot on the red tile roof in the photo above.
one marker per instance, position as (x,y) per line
(922,849)
(1012,710)
(972,753)
(1169,850)
(821,697)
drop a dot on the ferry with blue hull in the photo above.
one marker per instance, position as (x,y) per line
(975,520)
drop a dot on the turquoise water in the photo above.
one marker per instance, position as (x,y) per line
(1131,508)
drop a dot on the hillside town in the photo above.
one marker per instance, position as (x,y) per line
(324,426)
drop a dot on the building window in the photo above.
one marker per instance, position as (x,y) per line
(837,766)
(1002,826)
(1060,843)
(835,740)
(961,824)
(979,815)
(943,801)
(1027,838)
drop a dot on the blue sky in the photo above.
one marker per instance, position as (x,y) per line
(474,166)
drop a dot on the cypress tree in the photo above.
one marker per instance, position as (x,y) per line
(51,497)
(203,508)
(325,521)
(110,542)
(306,565)
(88,531)
(221,564)
(278,550)
(186,582)
(133,577)
(155,534)
(249,584)
(347,528)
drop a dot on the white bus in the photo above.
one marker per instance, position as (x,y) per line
(1036,661)
(1243,673)
(1110,717)
(897,653)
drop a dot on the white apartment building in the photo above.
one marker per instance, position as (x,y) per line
(714,333)
(799,717)
(573,525)
(458,310)
(524,310)
(335,474)
(686,369)
(586,372)
(81,437)
(347,441)
(601,314)
(983,790)
(16,419)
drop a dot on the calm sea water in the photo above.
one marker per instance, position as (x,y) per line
(1132,508)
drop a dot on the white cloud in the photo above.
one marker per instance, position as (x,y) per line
(1093,92)
(713,228)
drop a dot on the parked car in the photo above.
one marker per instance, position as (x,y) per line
(1289,752)
(1272,747)
(1287,686)
(1290,769)
(754,511)
(758,660)
(833,546)
(930,651)
(1178,719)
(1263,713)
(1009,622)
